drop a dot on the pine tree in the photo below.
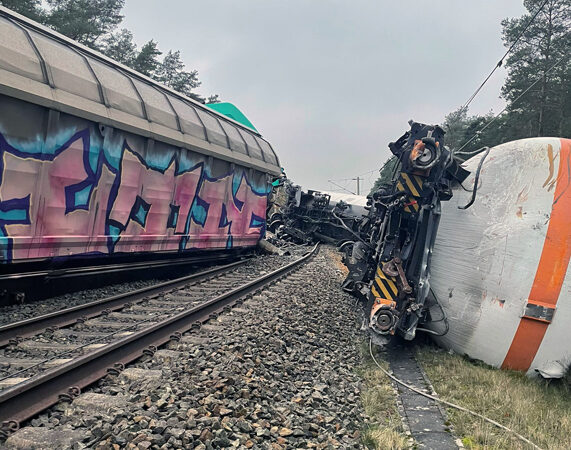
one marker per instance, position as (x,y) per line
(92,22)
(543,110)
(185,82)
(29,8)
(120,47)
(172,74)
(386,173)
(85,21)
(169,68)
(455,124)
(147,60)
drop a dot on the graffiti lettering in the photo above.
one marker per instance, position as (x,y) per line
(82,197)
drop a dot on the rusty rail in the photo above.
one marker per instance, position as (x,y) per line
(27,399)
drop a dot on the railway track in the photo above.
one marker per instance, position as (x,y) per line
(54,356)
(102,269)
(32,284)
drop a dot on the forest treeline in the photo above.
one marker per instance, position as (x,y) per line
(96,24)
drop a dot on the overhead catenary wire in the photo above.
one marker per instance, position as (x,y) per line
(501,61)
(444,402)
(339,186)
(367,173)
(358,175)
(459,151)
(369,180)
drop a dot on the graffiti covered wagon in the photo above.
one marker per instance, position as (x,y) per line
(97,159)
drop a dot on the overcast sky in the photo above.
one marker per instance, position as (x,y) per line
(329,82)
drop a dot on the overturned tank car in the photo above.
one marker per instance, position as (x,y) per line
(497,288)
(499,269)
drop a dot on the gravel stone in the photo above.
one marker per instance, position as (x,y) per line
(99,402)
(275,372)
(41,438)
(135,374)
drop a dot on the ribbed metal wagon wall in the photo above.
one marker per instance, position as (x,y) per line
(96,158)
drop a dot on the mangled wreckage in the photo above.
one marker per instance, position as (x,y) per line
(305,217)
(390,264)
(476,255)
(387,237)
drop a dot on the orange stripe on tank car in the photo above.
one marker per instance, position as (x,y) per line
(551,270)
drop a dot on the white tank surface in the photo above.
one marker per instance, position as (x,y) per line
(356,203)
(499,268)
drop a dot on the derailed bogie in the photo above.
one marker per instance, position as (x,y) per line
(401,229)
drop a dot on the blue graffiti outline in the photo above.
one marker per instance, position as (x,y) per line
(42,155)
(140,206)
(95,156)
(199,202)
(172,220)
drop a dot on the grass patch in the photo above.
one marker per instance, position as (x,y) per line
(385,430)
(536,410)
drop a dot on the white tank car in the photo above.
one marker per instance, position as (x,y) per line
(499,268)
(356,203)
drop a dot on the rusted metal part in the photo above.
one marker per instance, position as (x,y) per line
(27,399)
(394,269)
(14,332)
(8,427)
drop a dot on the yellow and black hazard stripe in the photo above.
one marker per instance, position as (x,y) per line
(384,287)
(412,185)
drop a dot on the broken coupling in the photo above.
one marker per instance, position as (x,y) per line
(383,320)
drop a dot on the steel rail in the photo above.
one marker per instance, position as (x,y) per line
(72,272)
(57,319)
(30,397)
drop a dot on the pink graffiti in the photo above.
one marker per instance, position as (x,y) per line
(163,222)
(218,193)
(155,188)
(253,204)
(52,232)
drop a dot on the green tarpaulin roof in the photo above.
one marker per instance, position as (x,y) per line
(229,110)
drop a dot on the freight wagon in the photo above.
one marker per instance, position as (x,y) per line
(98,160)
